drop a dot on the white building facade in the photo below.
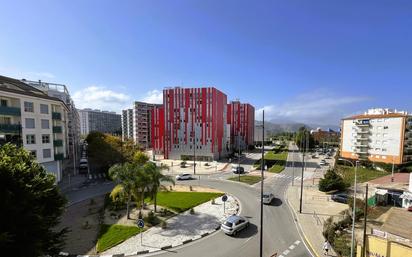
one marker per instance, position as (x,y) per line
(378,135)
(36,121)
(127,124)
(102,121)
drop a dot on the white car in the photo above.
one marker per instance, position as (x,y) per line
(267,198)
(184,176)
(234,224)
(322,162)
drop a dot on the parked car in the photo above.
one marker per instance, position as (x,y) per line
(267,198)
(340,198)
(238,169)
(322,162)
(234,224)
(184,176)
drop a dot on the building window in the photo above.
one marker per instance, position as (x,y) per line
(45,124)
(33,153)
(3,102)
(45,139)
(30,123)
(44,109)
(28,107)
(30,139)
(46,153)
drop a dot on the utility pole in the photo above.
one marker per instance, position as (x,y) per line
(238,159)
(303,169)
(393,169)
(262,167)
(352,249)
(293,166)
(364,222)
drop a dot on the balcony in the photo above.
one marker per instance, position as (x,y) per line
(56,116)
(58,143)
(57,129)
(10,128)
(362,138)
(363,132)
(11,111)
(59,157)
(362,123)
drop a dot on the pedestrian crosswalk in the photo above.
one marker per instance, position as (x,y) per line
(290,177)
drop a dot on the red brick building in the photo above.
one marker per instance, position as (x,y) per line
(241,118)
(157,119)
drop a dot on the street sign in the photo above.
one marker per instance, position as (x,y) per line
(140,223)
(224,198)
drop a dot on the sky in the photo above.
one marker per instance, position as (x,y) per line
(301,61)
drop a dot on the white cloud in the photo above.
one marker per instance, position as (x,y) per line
(29,75)
(101,98)
(318,107)
(153,96)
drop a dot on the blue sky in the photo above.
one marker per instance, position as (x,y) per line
(306,61)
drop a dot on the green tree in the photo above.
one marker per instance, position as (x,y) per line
(302,136)
(331,181)
(31,206)
(123,175)
(156,178)
(140,158)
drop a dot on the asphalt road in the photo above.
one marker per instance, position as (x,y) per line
(280,234)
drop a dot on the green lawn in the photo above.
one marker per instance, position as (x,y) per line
(246,179)
(363,174)
(111,235)
(182,201)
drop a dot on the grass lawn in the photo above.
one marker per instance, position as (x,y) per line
(182,201)
(246,179)
(363,174)
(111,235)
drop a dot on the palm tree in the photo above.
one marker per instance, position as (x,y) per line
(156,178)
(123,175)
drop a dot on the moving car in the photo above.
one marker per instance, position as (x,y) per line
(184,176)
(238,169)
(340,198)
(234,224)
(322,162)
(267,198)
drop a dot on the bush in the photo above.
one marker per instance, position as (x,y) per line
(152,219)
(332,181)
(192,211)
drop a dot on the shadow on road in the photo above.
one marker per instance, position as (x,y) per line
(276,202)
(248,232)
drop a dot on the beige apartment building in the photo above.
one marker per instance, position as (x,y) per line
(378,135)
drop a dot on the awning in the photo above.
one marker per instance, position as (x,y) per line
(406,195)
(381,191)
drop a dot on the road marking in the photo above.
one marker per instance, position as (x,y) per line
(297,242)
(280,255)
(292,247)
(286,252)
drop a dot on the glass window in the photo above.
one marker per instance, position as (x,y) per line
(30,123)
(28,107)
(33,153)
(3,102)
(44,109)
(45,124)
(45,139)
(30,139)
(46,153)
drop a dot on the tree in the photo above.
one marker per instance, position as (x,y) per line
(123,175)
(31,206)
(331,181)
(301,138)
(156,178)
(140,157)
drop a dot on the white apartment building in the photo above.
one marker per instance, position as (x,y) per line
(378,135)
(127,124)
(102,121)
(38,122)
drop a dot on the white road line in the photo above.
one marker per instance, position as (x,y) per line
(280,255)
(297,242)
(292,247)
(286,252)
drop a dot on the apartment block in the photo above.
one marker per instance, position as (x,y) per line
(158,129)
(378,135)
(127,124)
(142,122)
(195,123)
(31,118)
(241,120)
(102,121)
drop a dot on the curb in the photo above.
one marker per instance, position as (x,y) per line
(166,247)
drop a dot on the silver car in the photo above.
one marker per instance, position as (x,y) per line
(234,224)
(267,198)
(184,176)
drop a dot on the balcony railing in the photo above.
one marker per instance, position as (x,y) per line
(12,111)
(56,116)
(58,142)
(58,157)
(57,129)
(10,128)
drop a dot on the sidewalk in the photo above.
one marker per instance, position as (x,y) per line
(182,228)
(316,208)
(67,183)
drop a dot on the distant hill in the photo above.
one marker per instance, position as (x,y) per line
(274,127)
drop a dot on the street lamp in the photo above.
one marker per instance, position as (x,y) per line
(352,249)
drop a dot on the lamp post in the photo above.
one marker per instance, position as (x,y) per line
(261,185)
(352,249)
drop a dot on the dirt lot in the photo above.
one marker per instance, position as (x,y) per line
(82,220)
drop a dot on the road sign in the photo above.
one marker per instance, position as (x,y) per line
(140,223)
(224,198)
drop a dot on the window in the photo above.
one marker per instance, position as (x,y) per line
(28,107)
(45,139)
(46,153)
(44,109)
(33,153)
(45,124)
(3,102)
(385,127)
(30,123)
(30,139)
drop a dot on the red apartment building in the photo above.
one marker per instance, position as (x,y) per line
(199,122)
(241,118)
